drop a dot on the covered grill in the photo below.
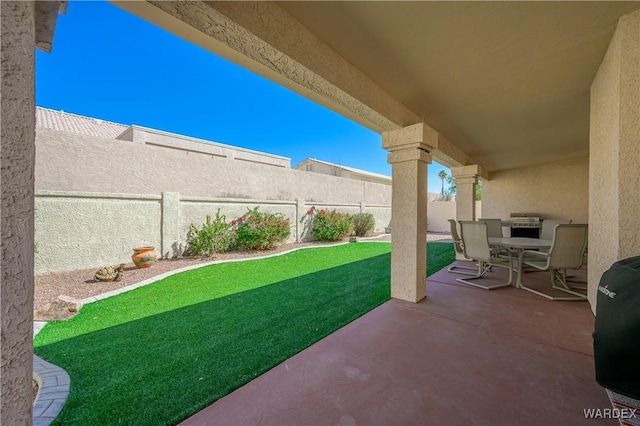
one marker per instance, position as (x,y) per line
(523,225)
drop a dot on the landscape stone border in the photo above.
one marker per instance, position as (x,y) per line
(53,387)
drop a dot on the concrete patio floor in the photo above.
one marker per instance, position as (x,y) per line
(463,356)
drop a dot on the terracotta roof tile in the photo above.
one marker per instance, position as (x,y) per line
(60,120)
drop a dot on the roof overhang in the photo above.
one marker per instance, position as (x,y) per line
(504,84)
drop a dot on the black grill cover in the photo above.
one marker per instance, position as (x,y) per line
(616,340)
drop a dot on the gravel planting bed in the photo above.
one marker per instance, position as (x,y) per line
(81,284)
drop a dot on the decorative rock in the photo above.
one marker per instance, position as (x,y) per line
(63,308)
(109,273)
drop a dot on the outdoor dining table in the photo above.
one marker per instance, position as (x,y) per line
(520,244)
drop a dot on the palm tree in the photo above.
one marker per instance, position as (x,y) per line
(442,175)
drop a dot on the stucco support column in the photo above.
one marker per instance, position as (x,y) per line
(614,157)
(25,26)
(17,159)
(409,156)
(466,180)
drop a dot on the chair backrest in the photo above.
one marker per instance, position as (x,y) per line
(568,246)
(475,242)
(455,236)
(494,227)
(546,232)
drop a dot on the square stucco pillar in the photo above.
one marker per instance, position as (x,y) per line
(466,180)
(409,156)
(26,25)
(17,161)
(614,154)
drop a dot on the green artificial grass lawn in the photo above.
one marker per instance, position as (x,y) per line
(160,353)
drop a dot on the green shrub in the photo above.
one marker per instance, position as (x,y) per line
(363,224)
(261,231)
(215,236)
(331,225)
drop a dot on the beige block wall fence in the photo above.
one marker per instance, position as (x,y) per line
(82,230)
(98,198)
(72,162)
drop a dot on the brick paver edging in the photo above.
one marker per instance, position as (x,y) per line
(53,387)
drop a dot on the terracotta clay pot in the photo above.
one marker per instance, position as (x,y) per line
(144,257)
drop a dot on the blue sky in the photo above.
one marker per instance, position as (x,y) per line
(109,64)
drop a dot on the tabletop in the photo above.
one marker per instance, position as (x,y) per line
(520,242)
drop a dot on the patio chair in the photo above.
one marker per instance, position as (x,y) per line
(566,252)
(572,281)
(494,230)
(457,243)
(475,244)
(494,227)
(546,231)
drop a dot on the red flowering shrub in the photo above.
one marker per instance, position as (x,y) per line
(331,225)
(261,231)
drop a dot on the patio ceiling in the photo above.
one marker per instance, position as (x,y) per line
(507,82)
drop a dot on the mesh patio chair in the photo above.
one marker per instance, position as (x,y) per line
(475,244)
(566,252)
(494,230)
(494,227)
(457,243)
(546,231)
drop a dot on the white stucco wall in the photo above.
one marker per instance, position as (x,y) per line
(70,162)
(439,213)
(18,40)
(553,191)
(315,166)
(382,215)
(81,230)
(614,199)
(90,190)
(324,169)
(143,135)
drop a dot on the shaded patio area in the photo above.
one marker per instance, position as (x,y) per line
(462,356)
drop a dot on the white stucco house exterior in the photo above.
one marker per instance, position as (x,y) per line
(332,169)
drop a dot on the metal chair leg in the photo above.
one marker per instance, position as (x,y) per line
(483,268)
(557,276)
(453,268)
(583,283)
